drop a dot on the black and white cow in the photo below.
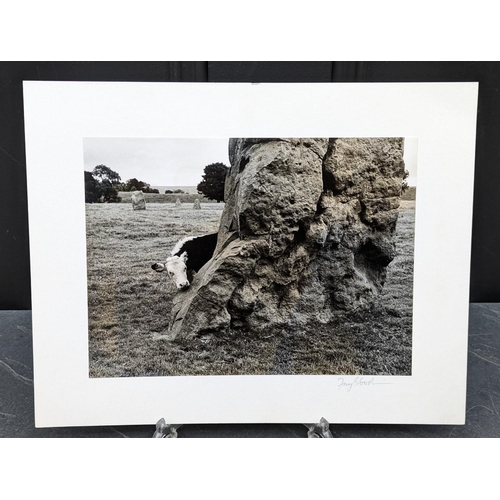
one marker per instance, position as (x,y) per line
(187,257)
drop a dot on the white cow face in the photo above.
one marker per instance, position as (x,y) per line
(177,270)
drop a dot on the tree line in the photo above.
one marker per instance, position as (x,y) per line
(102,185)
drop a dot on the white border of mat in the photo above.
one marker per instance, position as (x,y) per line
(58,115)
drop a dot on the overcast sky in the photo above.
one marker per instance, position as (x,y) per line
(159,162)
(176,162)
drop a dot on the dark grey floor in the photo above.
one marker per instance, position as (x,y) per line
(483,393)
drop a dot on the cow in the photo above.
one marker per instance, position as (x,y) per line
(187,257)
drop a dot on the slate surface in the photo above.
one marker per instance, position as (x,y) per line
(483,394)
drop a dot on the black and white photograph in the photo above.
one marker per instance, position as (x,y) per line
(250,256)
(288,247)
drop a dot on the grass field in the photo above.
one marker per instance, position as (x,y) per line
(129,308)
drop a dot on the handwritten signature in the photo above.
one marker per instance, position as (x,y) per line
(348,385)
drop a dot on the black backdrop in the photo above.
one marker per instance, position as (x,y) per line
(14,242)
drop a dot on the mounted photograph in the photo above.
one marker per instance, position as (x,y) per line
(248,256)
(240,253)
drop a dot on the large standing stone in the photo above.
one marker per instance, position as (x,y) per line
(306,233)
(196,204)
(138,200)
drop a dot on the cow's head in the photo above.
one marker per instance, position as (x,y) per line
(177,270)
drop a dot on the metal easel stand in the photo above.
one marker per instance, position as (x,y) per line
(164,430)
(321,430)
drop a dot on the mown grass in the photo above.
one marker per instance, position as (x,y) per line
(129,308)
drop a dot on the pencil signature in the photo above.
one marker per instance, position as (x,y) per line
(348,385)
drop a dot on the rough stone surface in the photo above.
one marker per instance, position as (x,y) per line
(138,201)
(306,233)
(197,204)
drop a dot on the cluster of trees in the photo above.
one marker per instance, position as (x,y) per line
(136,185)
(103,184)
(214,178)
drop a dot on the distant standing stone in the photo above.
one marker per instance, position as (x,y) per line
(138,200)
(178,203)
(197,205)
